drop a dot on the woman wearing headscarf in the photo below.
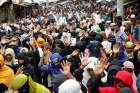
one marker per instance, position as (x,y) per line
(70,86)
(53,68)
(121,80)
(6,75)
(112,70)
(10,59)
(27,85)
(131,51)
(23,62)
(129,66)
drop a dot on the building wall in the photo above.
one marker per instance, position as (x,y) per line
(3,13)
(7,13)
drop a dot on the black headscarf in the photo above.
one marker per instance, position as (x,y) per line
(112,70)
(94,48)
(22,56)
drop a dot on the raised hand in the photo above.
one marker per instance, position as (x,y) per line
(115,50)
(66,69)
(137,47)
(75,52)
(100,67)
(34,44)
(84,61)
(20,70)
(104,62)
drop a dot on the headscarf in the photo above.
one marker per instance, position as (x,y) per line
(40,41)
(129,44)
(37,88)
(70,86)
(24,50)
(128,64)
(33,86)
(12,53)
(22,56)
(6,74)
(112,70)
(54,67)
(94,48)
(126,78)
(55,57)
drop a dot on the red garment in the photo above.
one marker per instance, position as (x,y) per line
(130,38)
(108,90)
(125,77)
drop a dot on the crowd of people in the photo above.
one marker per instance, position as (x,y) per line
(71,49)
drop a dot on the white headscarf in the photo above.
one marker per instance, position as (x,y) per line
(12,53)
(70,86)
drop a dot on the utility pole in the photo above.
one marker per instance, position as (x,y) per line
(47,3)
(120,8)
(11,13)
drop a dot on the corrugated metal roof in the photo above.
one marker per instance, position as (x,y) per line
(129,2)
(53,0)
(2,2)
(22,2)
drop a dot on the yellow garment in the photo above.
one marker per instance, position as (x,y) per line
(6,73)
(37,88)
(1,61)
(40,41)
(34,87)
(21,79)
